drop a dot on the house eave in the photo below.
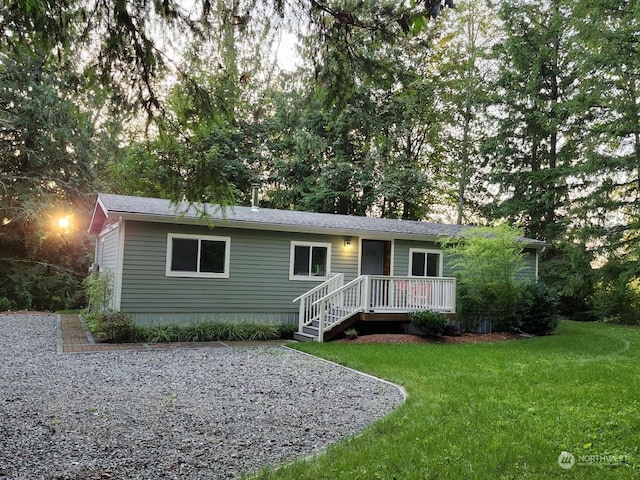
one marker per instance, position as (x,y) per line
(246,225)
(98,217)
(303,229)
(110,207)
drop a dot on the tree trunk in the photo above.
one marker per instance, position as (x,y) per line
(464,161)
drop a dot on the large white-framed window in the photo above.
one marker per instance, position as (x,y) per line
(425,263)
(310,261)
(198,256)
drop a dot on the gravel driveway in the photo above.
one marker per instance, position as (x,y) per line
(210,413)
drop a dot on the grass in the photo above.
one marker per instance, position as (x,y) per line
(504,410)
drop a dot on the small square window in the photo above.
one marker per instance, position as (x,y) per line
(310,261)
(425,263)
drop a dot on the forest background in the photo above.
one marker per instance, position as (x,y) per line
(521,112)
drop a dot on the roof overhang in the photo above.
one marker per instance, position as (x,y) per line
(102,215)
(98,217)
(246,225)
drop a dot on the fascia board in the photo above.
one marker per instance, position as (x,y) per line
(103,210)
(273,227)
(243,225)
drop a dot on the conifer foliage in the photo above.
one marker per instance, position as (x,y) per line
(470,111)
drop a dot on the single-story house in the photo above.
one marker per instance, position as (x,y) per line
(170,263)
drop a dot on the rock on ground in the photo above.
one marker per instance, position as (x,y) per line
(210,413)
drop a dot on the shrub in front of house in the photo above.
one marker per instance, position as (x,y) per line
(428,322)
(473,308)
(111,327)
(534,309)
(286,330)
(538,309)
(487,263)
(452,331)
(98,288)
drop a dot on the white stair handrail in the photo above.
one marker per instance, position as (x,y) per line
(308,312)
(341,304)
(335,278)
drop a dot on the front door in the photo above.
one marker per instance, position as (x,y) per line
(375,257)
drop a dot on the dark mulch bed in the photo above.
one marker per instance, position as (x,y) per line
(405,338)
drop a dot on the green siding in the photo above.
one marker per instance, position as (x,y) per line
(401,253)
(258,283)
(108,251)
(529,272)
(258,287)
(108,256)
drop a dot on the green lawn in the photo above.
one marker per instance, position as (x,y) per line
(504,410)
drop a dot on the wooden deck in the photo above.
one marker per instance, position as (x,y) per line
(333,305)
(393,317)
(310,332)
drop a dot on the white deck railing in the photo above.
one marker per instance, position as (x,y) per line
(369,293)
(405,294)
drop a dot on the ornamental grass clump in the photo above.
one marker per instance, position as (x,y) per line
(210,331)
(117,327)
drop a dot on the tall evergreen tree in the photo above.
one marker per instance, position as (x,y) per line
(370,118)
(319,156)
(208,142)
(466,70)
(607,31)
(532,155)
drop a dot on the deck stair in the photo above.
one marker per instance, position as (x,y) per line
(333,305)
(310,332)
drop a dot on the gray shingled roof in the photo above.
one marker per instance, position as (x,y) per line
(273,219)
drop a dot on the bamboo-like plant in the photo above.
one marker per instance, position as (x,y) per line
(487,262)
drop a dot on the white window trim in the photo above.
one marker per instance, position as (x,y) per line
(227,256)
(426,251)
(309,278)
